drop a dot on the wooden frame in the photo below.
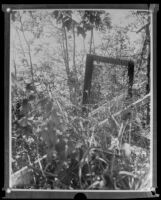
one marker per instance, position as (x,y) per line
(89,70)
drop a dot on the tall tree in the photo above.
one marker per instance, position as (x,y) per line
(89,21)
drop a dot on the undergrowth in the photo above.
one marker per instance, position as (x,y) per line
(82,152)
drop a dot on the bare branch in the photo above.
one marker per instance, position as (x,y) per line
(143,27)
(128,107)
(29,50)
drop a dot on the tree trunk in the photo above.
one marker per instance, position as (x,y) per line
(74,66)
(148,87)
(66,53)
(76,85)
(29,51)
(14,64)
(148,72)
(148,75)
(70,76)
(94,49)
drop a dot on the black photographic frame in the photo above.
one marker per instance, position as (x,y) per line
(13,193)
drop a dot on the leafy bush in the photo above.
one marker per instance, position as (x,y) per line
(81,154)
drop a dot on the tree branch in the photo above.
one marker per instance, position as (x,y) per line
(66,52)
(143,27)
(29,51)
(74,47)
(125,109)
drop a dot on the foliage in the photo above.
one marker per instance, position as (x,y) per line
(83,152)
(89,20)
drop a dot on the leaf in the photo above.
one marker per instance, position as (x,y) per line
(127,149)
(43,102)
(67,22)
(55,13)
(79,145)
(49,134)
(49,106)
(49,138)
(23,122)
(50,152)
(70,147)
(61,148)
(25,106)
(57,120)
(97,185)
(128,174)
(15,82)
(114,143)
(30,87)
(60,145)
(22,179)
(102,160)
(13,15)
(88,27)
(81,31)
(107,21)
(81,125)
(32,97)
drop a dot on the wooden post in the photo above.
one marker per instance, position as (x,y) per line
(131,78)
(87,82)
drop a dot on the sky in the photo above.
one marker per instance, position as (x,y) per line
(118,17)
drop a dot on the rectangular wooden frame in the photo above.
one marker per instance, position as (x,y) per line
(89,70)
(18,194)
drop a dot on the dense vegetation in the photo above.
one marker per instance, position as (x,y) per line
(110,147)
